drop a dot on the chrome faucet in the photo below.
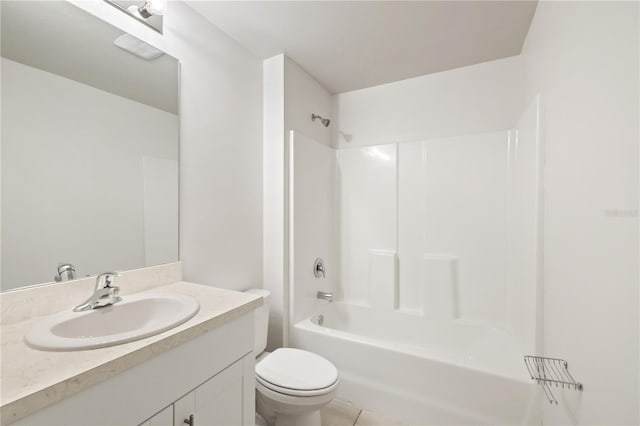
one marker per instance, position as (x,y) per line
(325,296)
(66,272)
(104,294)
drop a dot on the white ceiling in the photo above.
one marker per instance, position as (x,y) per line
(60,38)
(349,45)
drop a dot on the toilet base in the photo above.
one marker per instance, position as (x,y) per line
(309,419)
(306,419)
(284,410)
(260,421)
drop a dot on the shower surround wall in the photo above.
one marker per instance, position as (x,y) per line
(451,227)
(425,227)
(313,209)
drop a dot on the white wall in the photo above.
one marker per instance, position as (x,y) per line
(583,59)
(273,193)
(290,96)
(474,99)
(220,145)
(303,95)
(68,167)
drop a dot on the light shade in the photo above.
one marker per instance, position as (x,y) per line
(149,12)
(157,7)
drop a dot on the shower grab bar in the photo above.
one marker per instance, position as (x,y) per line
(551,371)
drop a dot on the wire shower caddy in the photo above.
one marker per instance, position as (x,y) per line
(548,372)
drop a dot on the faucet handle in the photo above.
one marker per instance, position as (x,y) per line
(105,279)
(114,294)
(318,268)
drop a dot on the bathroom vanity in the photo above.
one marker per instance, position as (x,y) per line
(200,372)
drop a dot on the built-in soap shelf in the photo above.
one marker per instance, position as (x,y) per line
(549,372)
(438,281)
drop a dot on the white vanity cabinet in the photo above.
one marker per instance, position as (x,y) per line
(217,402)
(209,376)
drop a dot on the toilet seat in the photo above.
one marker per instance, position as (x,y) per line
(295,372)
(293,394)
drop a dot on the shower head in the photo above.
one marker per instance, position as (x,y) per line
(325,121)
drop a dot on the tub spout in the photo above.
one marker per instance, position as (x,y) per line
(325,296)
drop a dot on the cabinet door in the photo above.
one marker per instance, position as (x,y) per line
(163,418)
(224,400)
(184,408)
(219,401)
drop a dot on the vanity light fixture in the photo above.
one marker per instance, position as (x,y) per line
(149,8)
(149,12)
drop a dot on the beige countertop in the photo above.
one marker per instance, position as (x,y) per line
(33,379)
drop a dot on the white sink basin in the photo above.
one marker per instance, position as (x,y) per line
(136,317)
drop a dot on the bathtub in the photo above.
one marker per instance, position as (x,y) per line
(421,371)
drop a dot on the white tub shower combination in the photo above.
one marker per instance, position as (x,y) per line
(431,250)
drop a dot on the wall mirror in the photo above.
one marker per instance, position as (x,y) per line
(90,143)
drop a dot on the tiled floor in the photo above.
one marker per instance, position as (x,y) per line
(340,413)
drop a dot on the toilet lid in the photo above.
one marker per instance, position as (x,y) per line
(297,369)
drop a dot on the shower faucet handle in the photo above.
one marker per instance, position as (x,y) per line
(318,268)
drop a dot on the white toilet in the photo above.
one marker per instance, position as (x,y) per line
(291,384)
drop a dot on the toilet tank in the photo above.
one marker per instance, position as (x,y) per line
(261,319)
